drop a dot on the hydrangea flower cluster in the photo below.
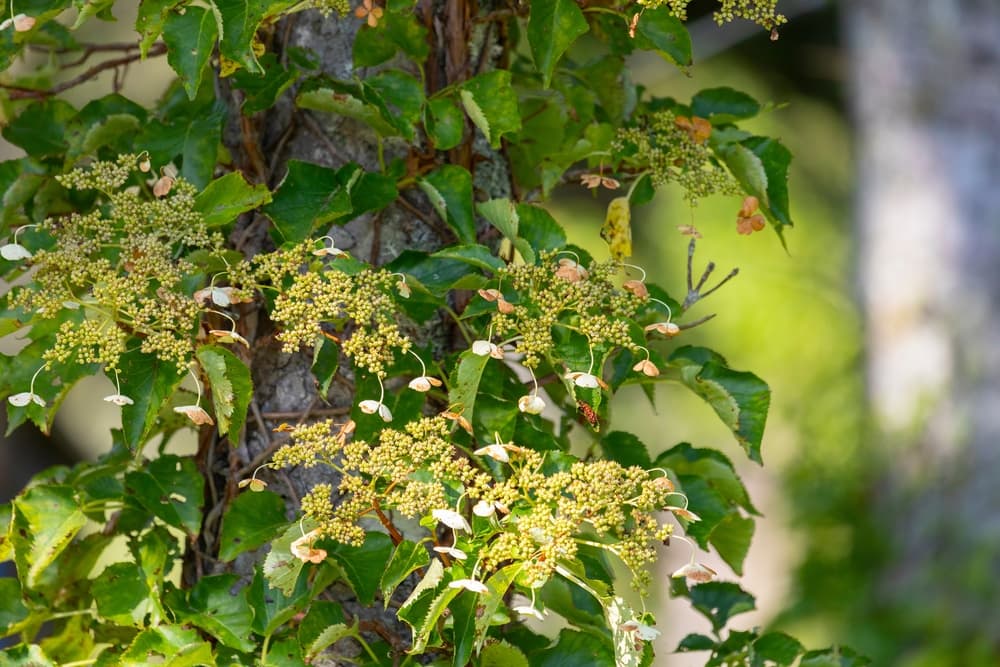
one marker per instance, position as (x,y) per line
(558,292)
(118,267)
(673,149)
(527,514)
(761,12)
(314,293)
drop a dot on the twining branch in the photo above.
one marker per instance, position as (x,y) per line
(21,93)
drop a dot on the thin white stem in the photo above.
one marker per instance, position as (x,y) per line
(638,268)
(31,388)
(22,227)
(196,384)
(423,368)
(219,312)
(670,313)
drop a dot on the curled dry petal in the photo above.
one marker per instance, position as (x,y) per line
(14,252)
(490,295)
(457,554)
(119,399)
(647,367)
(586,380)
(25,397)
(452,519)
(528,610)
(303,549)
(483,509)
(695,572)
(637,287)
(571,271)
(482,347)
(370,407)
(424,383)
(668,329)
(531,404)
(642,631)
(163,186)
(749,206)
(227,336)
(195,413)
(505,306)
(498,452)
(255,484)
(469,585)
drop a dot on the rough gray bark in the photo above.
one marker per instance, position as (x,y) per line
(261,147)
(927,110)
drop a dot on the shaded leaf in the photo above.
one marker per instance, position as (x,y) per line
(491,103)
(724,105)
(444,122)
(149,382)
(227,197)
(741,399)
(775,647)
(363,566)
(719,601)
(321,627)
(172,489)
(553,26)
(232,388)
(659,30)
(731,538)
(252,519)
(168,646)
(308,196)
(449,189)
(121,594)
(577,649)
(45,519)
(215,608)
(407,557)
(190,38)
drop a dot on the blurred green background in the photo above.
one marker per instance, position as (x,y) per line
(790,316)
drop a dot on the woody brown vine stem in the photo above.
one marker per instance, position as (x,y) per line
(20,93)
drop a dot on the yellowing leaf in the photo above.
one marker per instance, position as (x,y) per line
(617,229)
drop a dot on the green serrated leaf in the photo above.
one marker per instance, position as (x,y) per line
(121,594)
(406,558)
(491,103)
(498,584)
(260,92)
(240,20)
(322,627)
(227,197)
(449,188)
(190,38)
(12,609)
(775,647)
(719,601)
(553,26)
(232,388)
(475,255)
(215,608)
(363,566)
(281,568)
(465,383)
(741,399)
(748,170)
(659,30)
(837,656)
(626,449)
(502,654)
(170,488)
(45,519)
(149,382)
(344,103)
(579,649)
(254,518)
(502,214)
(444,122)
(25,655)
(308,196)
(695,642)
(150,19)
(168,646)
(775,159)
(539,228)
(724,105)
(731,538)
(398,96)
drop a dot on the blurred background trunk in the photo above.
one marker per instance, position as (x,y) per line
(926,103)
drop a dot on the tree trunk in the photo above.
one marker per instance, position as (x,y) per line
(927,111)
(284,388)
